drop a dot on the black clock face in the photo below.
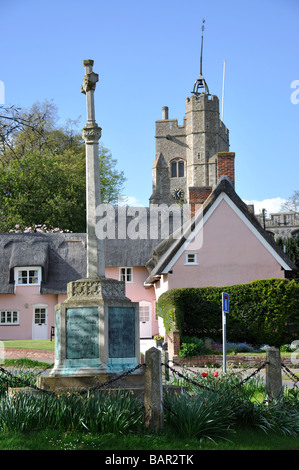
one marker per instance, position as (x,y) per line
(178,194)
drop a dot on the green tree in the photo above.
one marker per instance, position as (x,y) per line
(51,190)
(36,189)
(23,132)
(291,248)
(42,178)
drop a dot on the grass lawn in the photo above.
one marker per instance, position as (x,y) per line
(243,439)
(68,439)
(39,344)
(47,344)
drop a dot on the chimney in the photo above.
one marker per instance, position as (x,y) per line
(197,197)
(226,165)
(165,113)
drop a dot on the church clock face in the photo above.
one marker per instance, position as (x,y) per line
(178,194)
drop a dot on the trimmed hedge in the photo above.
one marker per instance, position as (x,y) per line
(261,312)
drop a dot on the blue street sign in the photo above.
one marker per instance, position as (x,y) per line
(225,302)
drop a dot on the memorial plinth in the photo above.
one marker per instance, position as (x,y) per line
(97,329)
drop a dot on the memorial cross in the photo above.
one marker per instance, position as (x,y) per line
(91,134)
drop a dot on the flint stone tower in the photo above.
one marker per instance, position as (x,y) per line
(192,156)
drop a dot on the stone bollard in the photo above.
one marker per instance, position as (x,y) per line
(273,373)
(153,390)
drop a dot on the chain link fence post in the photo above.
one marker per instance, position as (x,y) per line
(153,390)
(273,373)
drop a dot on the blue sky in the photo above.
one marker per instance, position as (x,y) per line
(147,55)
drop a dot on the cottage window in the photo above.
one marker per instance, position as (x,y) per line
(191,258)
(27,276)
(144,313)
(126,274)
(9,317)
(40,315)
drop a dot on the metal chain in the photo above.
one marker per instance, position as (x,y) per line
(43,370)
(125,374)
(208,388)
(28,384)
(183,366)
(290,374)
(251,375)
(187,378)
(24,382)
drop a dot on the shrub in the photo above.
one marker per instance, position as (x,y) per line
(277,416)
(218,399)
(203,415)
(263,311)
(192,346)
(288,347)
(105,412)
(239,347)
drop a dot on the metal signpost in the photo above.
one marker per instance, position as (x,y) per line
(225,310)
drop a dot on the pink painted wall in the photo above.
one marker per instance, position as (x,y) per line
(137,292)
(26,297)
(230,254)
(23,301)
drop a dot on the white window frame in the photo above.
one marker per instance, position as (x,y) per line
(28,269)
(144,311)
(38,307)
(190,262)
(11,312)
(128,273)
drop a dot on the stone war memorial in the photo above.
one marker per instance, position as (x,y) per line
(97,326)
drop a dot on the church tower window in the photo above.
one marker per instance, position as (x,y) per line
(177,168)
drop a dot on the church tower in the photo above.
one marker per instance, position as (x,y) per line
(192,157)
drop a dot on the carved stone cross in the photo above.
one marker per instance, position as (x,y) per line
(91,134)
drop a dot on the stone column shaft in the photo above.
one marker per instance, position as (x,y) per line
(91,134)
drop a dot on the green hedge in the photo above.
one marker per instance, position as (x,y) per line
(261,312)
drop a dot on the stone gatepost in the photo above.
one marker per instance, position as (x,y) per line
(153,390)
(273,373)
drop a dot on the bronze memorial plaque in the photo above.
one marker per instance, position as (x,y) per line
(82,333)
(121,332)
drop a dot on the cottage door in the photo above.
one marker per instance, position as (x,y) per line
(40,322)
(145,318)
